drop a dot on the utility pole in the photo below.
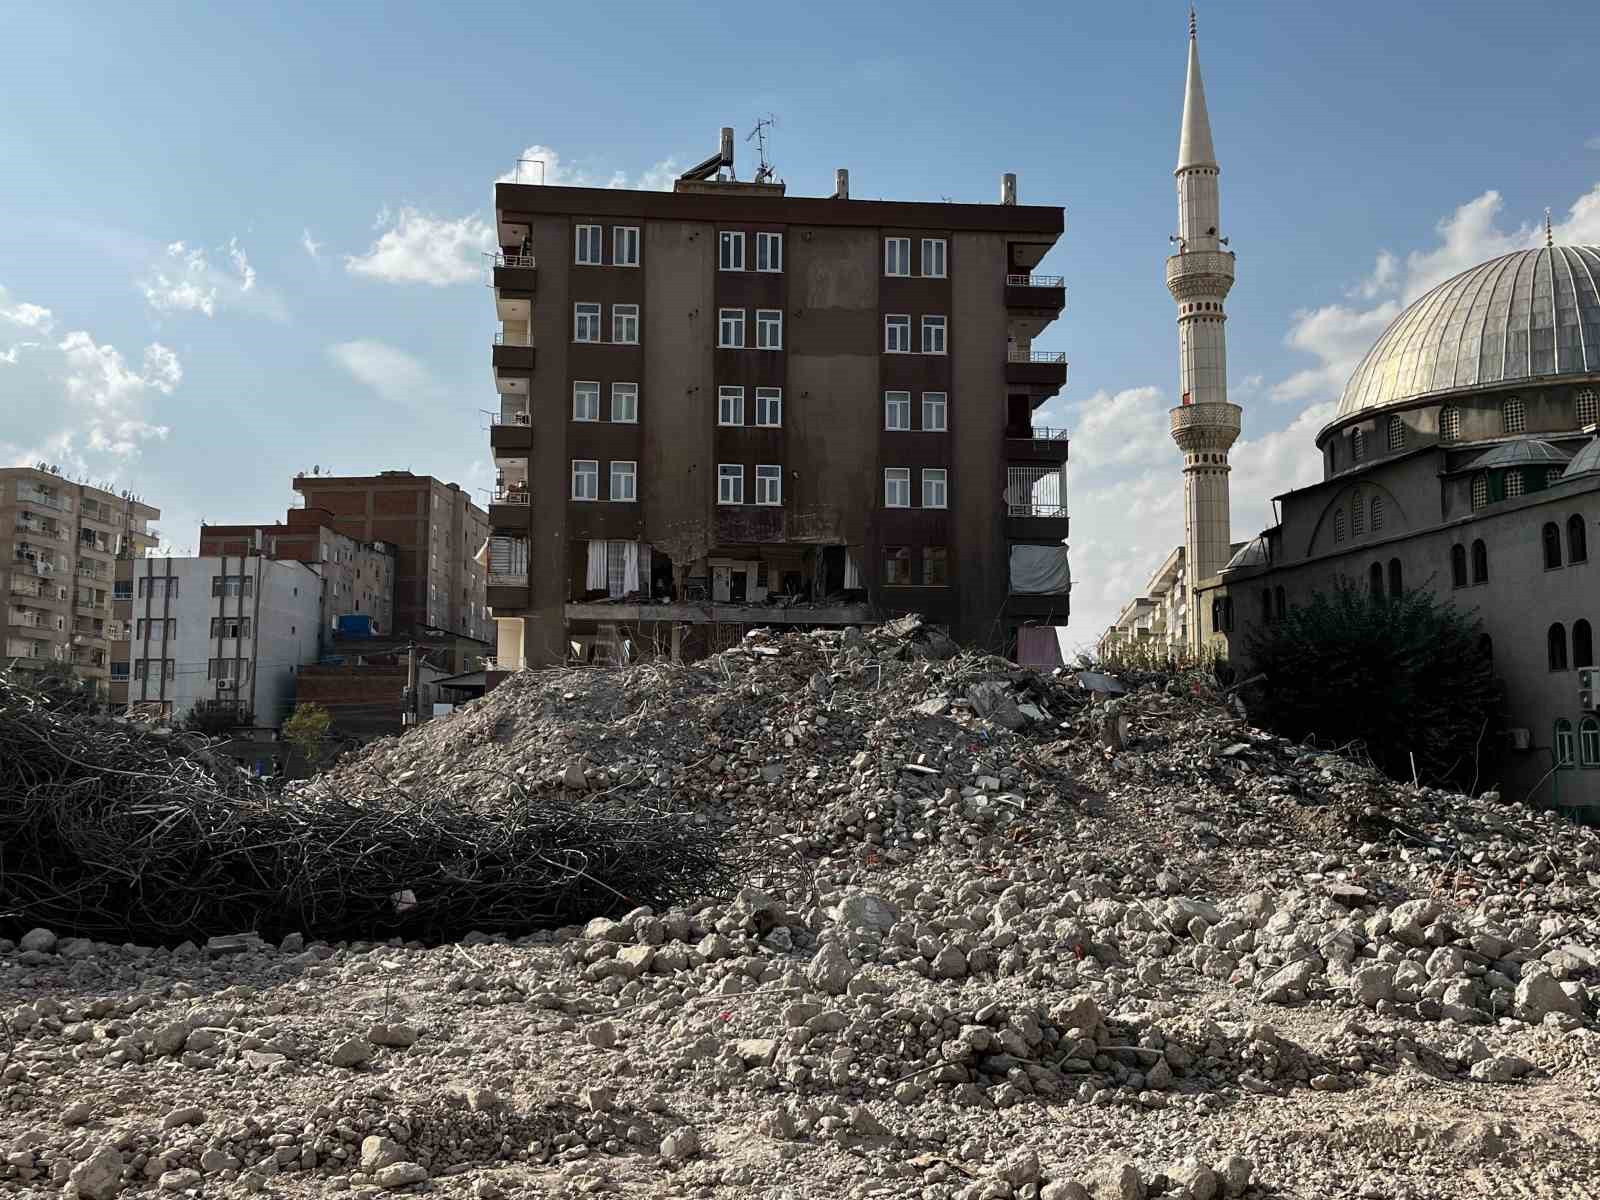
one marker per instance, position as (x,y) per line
(408,711)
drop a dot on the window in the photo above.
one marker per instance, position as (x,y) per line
(730,406)
(1358,446)
(935,412)
(625,403)
(730,328)
(588,249)
(586,322)
(897,487)
(1588,741)
(625,324)
(1375,581)
(1512,419)
(730,251)
(1283,604)
(625,245)
(1551,537)
(1586,407)
(897,256)
(1513,483)
(1582,644)
(165,667)
(769,485)
(769,251)
(897,334)
(624,481)
(1377,513)
(1556,643)
(1216,615)
(1563,743)
(933,329)
(119,671)
(1551,476)
(933,257)
(585,400)
(935,487)
(897,566)
(1358,515)
(585,479)
(1577,540)
(231,585)
(229,669)
(730,483)
(1458,565)
(1396,579)
(1266,606)
(156,586)
(1480,562)
(122,589)
(897,410)
(935,566)
(769,329)
(1480,490)
(1449,422)
(1397,434)
(1338,524)
(153,628)
(230,627)
(769,406)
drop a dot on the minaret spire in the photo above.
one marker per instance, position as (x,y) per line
(1549,236)
(1194,138)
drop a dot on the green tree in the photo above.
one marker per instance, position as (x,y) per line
(307,731)
(1404,675)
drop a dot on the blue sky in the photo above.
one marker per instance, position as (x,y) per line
(239,241)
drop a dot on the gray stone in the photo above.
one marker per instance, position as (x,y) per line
(864,1124)
(379,1152)
(1235,1172)
(1197,1179)
(179,1117)
(400,1174)
(1064,1189)
(867,913)
(169,1039)
(351,1053)
(397,1037)
(830,971)
(1371,985)
(180,1180)
(1539,995)
(1019,1167)
(41,941)
(77,1114)
(949,963)
(680,1145)
(1502,1068)
(98,1177)
(1292,978)
(602,1035)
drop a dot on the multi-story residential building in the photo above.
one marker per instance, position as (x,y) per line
(1156,622)
(357,577)
(219,629)
(436,532)
(59,541)
(725,405)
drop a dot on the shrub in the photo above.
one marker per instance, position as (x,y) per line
(307,730)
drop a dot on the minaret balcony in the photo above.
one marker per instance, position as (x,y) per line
(1214,427)
(1200,273)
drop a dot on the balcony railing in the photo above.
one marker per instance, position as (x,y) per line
(514,418)
(24,618)
(33,496)
(501,338)
(1037,356)
(22,586)
(513,260)
(1036,492)
(1040,433)
(1050,281)
(523,497)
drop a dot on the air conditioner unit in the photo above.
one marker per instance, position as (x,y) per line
(225,685)
(1521,739)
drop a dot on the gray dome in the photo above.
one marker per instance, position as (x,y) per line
(1254,553)
(1534,314)
(1587,459)
(1524,452)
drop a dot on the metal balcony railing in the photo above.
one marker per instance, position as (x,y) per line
(1036,281)
(514,418)
(1040,433)
(1036,356)
(34,496)
(513,260)
(513,497)
(1036,492)
(501,338)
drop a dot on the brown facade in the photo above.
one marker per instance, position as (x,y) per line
(805,396)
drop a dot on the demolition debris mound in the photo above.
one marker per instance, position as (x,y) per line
(113,830)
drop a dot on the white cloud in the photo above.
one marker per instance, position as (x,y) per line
(112,397)
(29,316)
(543,164)
(310,244)
(1118,429)
(241,264)
(9,357)
(185,280)
(419,248)
(398,377)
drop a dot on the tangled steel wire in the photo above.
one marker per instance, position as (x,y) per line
(117,831)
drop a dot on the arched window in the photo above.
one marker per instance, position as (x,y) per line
(1358,446)
(1589,742)
(1396,582)
(1449,423)
(1577,539)
(1586,407)
(1480,562)
(1338,524)
(1375,581)
(1486,648)
(1458,565)
(1216,615)
(1556,642)
(1397,434)
(1358,515)
(1283,606)
(1551,476)
(1511,416)
(1377,513)
(1513,479)
(1552,546)
(1582,644)
(1266,606)
(1563,743)
(1480,490)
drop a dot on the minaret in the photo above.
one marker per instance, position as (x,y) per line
(1199,275)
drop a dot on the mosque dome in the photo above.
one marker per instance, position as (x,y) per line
(1254,553)
(1586,460)
(1524,452)
(1529,315)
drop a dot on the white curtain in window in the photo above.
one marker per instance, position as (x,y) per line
(852,572)
(630,568)
(595,576)
(1040,570)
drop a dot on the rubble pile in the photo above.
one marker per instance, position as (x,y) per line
(1001,936)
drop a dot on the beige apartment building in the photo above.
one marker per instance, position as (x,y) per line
(59,542)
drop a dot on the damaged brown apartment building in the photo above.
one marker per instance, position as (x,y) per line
(724,406)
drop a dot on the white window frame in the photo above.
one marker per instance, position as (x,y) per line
(626,471)
(586,469)
(769,252)
(581,234)
(730,483)
(935,484)
(586,317)
(580,386)
(730,250)
(897,252)
(725,318)
(625,403)
(897,483)
(769,329)
(935,249)
(936,402)
(625,237)
(897,404)
(769,484)
(769,407)
(621,314)
(891,323)
(939,326)
(730,394)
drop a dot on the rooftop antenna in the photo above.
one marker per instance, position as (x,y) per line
(1549,237)
(764,172)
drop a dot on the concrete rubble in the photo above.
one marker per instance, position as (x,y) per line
(1007,939)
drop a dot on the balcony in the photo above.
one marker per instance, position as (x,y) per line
(1033,301)
(513,364)
(513,278)
(26,618)
(512,432)
(511,510)
(1036,503)
(507,579)
(28,495)
(1042,373)
(1037,444)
